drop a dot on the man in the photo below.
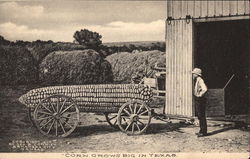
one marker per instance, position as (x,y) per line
(200,89)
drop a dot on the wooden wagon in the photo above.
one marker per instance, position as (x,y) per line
(55,111)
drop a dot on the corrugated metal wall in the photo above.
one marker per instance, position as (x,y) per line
(179,62)
(181,8)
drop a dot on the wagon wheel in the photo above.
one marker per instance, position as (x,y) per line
(31,116)
(134,117)
(112,119)
(56,116)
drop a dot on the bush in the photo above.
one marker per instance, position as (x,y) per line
(17,66)
(75,67)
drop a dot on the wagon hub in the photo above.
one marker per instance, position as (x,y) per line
(57,116)
(134,118)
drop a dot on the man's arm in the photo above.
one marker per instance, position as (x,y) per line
(203,88)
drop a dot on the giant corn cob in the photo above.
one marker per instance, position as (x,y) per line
(89,96)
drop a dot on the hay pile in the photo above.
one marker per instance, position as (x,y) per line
(74,67)
(17,66)
(39,50)
(126,65)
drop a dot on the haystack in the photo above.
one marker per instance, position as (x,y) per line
(126,65)
(75,67)
(17,66)
(39,50)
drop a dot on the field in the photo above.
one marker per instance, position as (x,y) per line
(95,135)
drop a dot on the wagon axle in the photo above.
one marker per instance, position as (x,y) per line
(134,118)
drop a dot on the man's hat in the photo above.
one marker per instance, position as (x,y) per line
(197,71)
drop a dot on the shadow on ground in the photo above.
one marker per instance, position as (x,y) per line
(220,131)
(153,128)
(166,127)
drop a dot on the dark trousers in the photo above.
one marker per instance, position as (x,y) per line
(200,107)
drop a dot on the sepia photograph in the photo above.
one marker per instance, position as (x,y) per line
(121,79)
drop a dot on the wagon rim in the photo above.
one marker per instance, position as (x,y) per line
(112,119)
(30,112)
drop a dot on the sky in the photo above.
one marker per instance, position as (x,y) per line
(116,21)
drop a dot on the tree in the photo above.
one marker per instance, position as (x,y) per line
(89,39)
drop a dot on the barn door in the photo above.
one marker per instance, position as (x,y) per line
(179,41)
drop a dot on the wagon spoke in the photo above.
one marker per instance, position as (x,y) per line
(135,105)
(42,116)
(42,112)
(65,117)
(123,114)
(133,127)
(128,126)
(138,126)
(46,108)
(45,118)
(53,108)
(66,108)
(57,105)
(50,127)
(42,126)
(143,112)
(115,122)
(130,108)
(56,128)
(141,123)
(51,105)
(113,117)
(126,111)
(139,109)
(68,124)
(125,121)
(62,105)
(62,126)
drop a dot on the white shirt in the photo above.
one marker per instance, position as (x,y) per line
(200,87)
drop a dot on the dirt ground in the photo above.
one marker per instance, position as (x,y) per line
(95,135)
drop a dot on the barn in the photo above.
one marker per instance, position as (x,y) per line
(214,36)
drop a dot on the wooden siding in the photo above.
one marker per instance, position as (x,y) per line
(206,8)
(179,61)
